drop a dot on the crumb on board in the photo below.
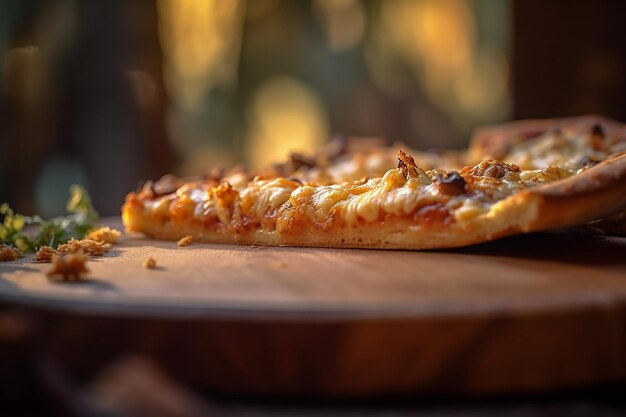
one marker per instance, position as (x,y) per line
(149,262)
(68,268)
(88,246)
(104,235)
(45,253)
(185,241)
(7,253)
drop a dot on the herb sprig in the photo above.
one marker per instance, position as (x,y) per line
(76,225)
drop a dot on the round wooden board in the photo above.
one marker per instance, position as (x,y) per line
(528,313)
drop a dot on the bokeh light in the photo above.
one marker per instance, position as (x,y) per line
(285,116)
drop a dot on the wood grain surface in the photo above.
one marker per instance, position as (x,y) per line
(528,313)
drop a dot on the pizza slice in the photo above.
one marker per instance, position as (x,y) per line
(572,142)
(405,208)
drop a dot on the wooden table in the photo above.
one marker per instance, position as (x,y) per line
(531,313)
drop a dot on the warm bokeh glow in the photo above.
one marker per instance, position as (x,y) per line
(201,42)
(285,116)
(438,41)
(343,21)
(427,54)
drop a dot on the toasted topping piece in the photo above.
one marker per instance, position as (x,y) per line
(88,246)
(492,169)
(225,195)
(187,240)
(7,253)
(597,137)
(45,253)
(105,235)
(406,164)
(149,263)
(167,184)
(68,268)
(548,174)
(451,183)
(297,161)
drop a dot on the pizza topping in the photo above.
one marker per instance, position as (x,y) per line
(597,137)
(104,235)
(205,201)
(406,164)
(569,149)
(224,196)
(265,196)
(355,200)
(392,194)
(297,161)
(436,213)
(351,169)
(586,162)
(451,183)
(183,207)
(68,268)
(185,241)
(7,253)
(493,169)
(469,209)
(144,190)
(314,165)
(548,174)
(275,204)
(166,185)
(45,253)
(87,246)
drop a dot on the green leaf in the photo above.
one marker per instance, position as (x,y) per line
(51,232)
(80,203)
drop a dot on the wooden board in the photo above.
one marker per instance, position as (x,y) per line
(527,313)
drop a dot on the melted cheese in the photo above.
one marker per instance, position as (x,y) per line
(469,209)
(263,196)
(265,201)
(548,174)
(565,149)
(393,194)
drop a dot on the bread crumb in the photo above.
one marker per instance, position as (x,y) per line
(7,253)
(45,253)
(105,235)
(187,240)
(88,246)
(149,262)
(68,268)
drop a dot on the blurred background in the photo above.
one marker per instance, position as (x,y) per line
(107,93)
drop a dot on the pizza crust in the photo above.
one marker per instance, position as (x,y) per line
(596,193)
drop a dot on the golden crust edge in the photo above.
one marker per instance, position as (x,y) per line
(596,193)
